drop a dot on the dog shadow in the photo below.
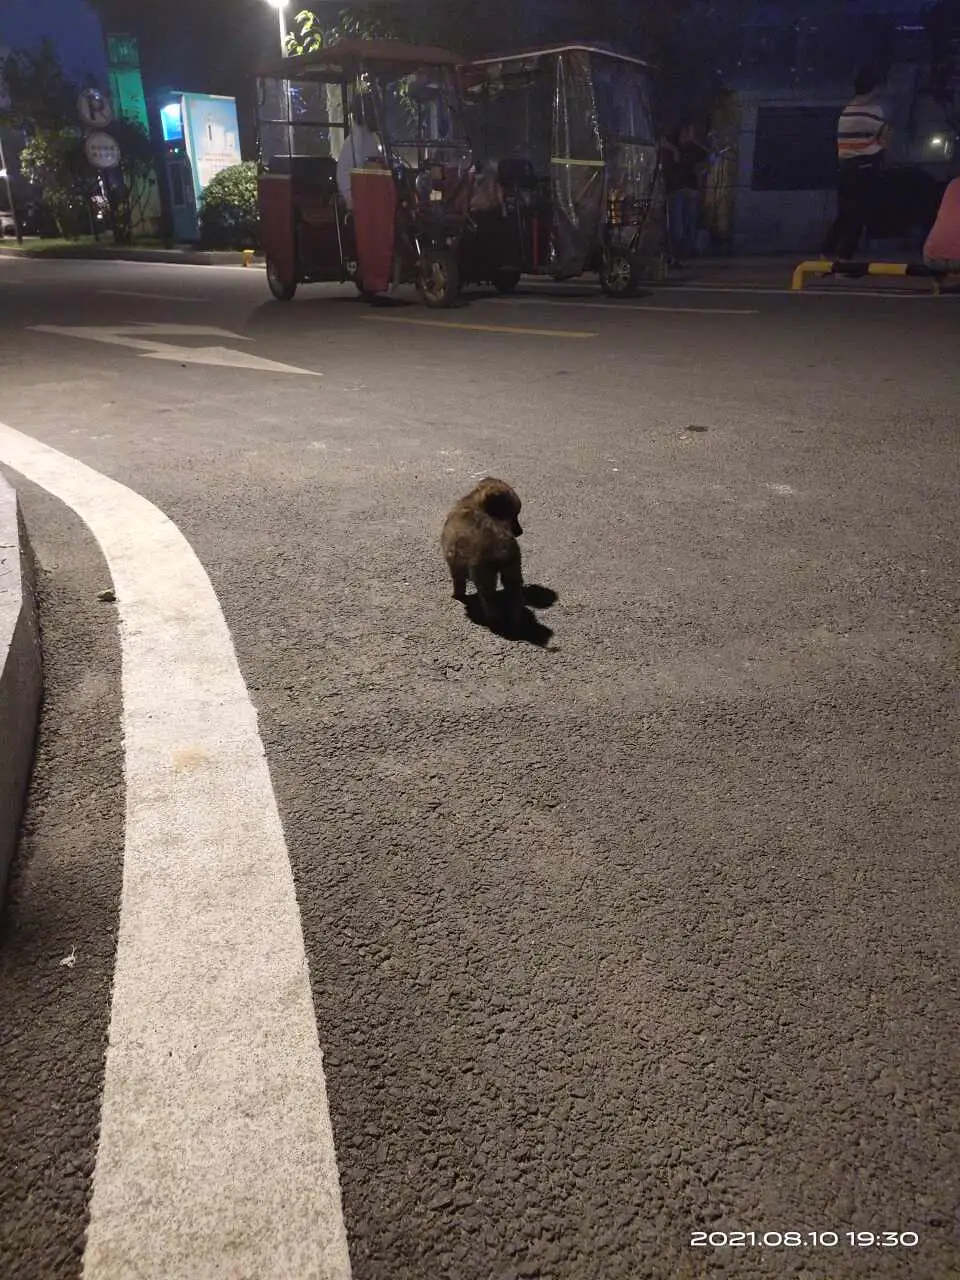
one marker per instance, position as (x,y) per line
(529,630)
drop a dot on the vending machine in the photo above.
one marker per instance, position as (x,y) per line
(200,137)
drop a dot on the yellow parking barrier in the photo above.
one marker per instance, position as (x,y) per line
(804,269)
(820,267)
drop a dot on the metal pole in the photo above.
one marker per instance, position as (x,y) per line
(281,14)
(13,208)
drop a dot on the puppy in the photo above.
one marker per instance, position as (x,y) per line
(479,541)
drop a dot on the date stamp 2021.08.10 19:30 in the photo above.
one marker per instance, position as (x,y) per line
(807,1239)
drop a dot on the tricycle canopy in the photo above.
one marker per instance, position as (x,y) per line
(412,91)
(579,117)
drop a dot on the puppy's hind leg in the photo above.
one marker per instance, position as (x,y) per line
(485,580)
(458,572)
(512,577)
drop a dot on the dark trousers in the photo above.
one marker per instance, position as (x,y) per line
(683,210)
(856,191)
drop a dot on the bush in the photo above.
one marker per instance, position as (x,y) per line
(228,209)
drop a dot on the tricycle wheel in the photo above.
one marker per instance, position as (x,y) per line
(619,275)
(439,279)
(282,290)
(505,280)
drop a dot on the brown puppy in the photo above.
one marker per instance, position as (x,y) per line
(479,541)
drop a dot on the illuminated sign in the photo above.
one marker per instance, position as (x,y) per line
(171,122)
(212,134)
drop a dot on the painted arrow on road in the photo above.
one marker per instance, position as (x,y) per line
(142,337)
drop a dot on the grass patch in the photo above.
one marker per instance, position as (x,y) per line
(36,245)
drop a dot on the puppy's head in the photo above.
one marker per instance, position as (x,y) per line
(500,502)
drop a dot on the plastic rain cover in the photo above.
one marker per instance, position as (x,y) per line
(630,142)
(576,166)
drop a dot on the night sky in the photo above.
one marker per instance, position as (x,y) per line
(210,46)
(191,44)
(24,23)
(214,45)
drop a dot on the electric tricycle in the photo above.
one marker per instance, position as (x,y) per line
(365,169)
(566,135)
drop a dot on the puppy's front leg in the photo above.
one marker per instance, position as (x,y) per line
(512,577)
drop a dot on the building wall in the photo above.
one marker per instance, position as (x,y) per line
(782,183)
(771,220)
(810,80)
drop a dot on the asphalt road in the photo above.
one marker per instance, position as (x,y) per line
(641,926)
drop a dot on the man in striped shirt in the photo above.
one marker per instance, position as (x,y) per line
(862,135)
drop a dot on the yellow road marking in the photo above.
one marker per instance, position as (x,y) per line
(589,305)
(486,328)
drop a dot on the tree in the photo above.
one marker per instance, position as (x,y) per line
(41,105)
(470,28)
(310,34)
(40,95)
(53,161)
(42,102)
(128,186)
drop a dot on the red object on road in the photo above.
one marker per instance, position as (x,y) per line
(276,223)
(943,242)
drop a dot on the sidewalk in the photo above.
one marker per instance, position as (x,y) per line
(21,676)
(130,253)
(758,270)
(773,272)
(770,272)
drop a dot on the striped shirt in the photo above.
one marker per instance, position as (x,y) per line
(860,128)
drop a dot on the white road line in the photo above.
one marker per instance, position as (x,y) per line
(137,337)
(154,297)
(216,1155)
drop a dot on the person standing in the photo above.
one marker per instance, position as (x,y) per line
(361,146)
(685,164)
(862,137)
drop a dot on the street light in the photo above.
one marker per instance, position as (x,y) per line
(280,5)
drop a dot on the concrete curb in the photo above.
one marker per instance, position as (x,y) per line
(94,253)
(21,674)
